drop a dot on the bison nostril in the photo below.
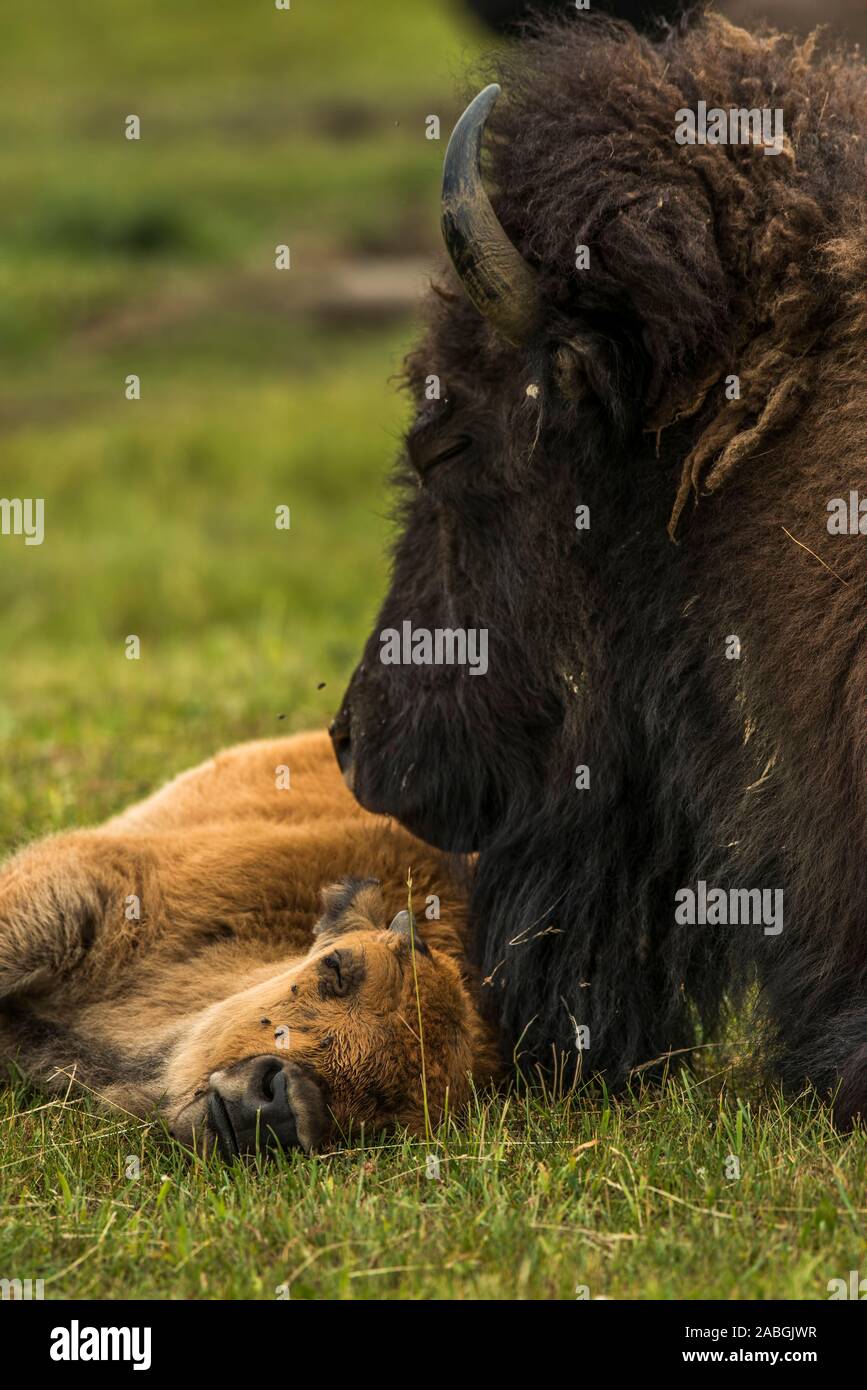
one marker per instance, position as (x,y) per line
(263,1088)
(260,1117)
(269,1078)
(262,1104)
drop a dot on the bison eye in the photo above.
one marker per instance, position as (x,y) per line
(446,448)
(432,439)
(450,450)
(334,976)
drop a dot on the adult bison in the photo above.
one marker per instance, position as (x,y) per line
(696,380)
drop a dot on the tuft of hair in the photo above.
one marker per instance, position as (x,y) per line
(723,258)
(351,903)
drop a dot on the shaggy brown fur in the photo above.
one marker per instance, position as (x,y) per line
(608,647)
(732,261)
(228,962)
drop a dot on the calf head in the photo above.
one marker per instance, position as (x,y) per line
(364,1029)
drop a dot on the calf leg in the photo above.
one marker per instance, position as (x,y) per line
(64,940)
(54,1056)
(79,910)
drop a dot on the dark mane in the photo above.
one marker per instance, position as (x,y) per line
(716,688)
(736,264)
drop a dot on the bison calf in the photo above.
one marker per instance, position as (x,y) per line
(189,958)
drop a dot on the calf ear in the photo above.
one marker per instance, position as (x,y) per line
(352,904)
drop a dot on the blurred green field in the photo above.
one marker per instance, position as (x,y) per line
(156,258)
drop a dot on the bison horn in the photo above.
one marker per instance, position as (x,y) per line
(503,287)
(402,924)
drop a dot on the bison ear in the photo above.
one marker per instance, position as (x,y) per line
(574,368)
(350,905)
(589,364)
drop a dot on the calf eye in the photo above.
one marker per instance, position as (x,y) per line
(335,976)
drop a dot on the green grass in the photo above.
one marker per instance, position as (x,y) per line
(156,258)
(536,1199)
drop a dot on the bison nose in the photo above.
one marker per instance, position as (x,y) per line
(341,739)
(264,1103)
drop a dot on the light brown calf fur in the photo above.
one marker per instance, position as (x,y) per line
(235,978)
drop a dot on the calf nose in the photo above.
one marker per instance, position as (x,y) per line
(251,1107)
(341,739)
